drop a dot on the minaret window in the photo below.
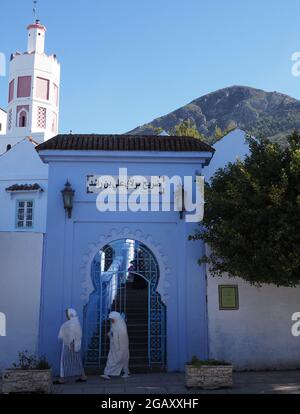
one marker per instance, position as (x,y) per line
(55,94)
(42,117)
(23,119)
(22,116)
(24,87)
(9,121)
(11,90)
(42,88)
(54,122)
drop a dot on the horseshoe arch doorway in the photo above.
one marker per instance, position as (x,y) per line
(125,276)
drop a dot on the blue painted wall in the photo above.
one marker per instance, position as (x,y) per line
(72,243)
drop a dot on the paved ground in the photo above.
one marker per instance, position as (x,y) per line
(279,382)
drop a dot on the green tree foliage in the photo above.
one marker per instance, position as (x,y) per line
(187,128)
(219,134)
(252,215)
(158,130)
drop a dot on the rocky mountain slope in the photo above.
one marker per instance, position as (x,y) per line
(267,114)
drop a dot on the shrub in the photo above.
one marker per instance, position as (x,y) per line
(198,362)
(31,362)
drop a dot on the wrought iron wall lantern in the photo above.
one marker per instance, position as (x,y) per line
(181,213)
(68,196)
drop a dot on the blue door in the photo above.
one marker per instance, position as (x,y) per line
(125,276)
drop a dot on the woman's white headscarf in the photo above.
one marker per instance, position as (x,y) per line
(71,331)
(120,324)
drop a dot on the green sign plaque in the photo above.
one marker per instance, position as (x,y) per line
(228,297)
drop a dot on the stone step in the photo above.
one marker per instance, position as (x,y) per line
(136,298)
(140,316)
(138,345)
(142,353)
(140,323)
(132,332)
(137,325)
(137,330)
(141,339)
(131,304)
(137,313)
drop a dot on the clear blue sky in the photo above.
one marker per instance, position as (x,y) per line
(126,62)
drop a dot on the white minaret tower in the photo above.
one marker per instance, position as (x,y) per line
(36,38)
(33,98)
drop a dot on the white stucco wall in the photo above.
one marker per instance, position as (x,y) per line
(22,165)
(230,148)
(258,334)
(20,284)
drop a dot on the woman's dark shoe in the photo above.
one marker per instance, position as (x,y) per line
(81,380)
(58,382)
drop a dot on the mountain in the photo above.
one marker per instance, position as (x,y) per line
(267,114)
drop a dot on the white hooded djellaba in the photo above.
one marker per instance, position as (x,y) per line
(71,335)
(118,357)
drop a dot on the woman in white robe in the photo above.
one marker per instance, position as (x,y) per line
(71,362)
(118,357)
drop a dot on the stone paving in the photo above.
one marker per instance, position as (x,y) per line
(274,382)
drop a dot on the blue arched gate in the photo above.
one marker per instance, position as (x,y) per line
(125,275)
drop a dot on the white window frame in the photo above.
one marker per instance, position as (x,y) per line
(25,218)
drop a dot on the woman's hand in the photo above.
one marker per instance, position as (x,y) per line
(72,346)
